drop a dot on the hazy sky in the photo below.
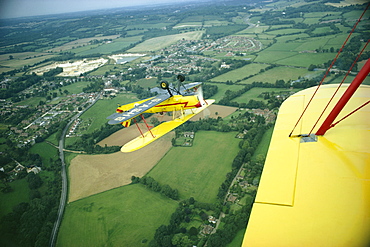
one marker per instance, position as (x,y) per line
(19,8)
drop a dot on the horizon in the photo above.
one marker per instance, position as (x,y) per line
(25,8)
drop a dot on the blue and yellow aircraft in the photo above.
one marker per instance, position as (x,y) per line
(186,99)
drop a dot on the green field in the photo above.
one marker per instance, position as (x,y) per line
(200,170)
(255,93)
(263,146)
(46,151)
(74,88)
(21,59)
(238,239)
(116,45)
(34,101)
(158,43)
(103,108)
(126,216)
(20,193)
(222,89)
(281,73)
(239,74)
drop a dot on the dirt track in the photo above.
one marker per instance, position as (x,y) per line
(92,174)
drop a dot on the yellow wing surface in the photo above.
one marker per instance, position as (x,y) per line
(315,193)
(161,130)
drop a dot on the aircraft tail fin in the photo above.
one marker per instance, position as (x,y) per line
(126,123)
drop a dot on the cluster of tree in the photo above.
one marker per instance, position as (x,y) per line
(88,141)
(96,86)
(30,224)
(209,90)
(150,183)
(19,84)
(233,223)
(212,71)
(174,234)
(14,118)
(348,54)
(247,148)
(310,30)
(254,104)
(217,32)
(230,95)
(53,72)
(135,74)
(140,91)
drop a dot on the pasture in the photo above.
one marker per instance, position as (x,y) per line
(158,43)
(46,151)
(79,43)
(280,73)
(114,46)
(21,59)
(103,108)
(92,174)
(264,145)
(238,239)
(33,101)
(255,94)
(73,88)
(19,194)
(222,89)
(239,74)
(126,216)
(196,171)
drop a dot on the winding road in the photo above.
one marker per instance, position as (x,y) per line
(63,196)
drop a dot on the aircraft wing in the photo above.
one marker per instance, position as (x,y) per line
(188,88)
(117,118)
(161,130)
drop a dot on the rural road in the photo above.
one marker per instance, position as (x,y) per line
(63,196)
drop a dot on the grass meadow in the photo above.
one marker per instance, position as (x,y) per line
(158,43)
(103,108)
(126,216)
(74,88)
(264,145)
(222,89)
(21,59)
(116,45)
(20,193)
(198,171)
(280,73)
(239,74)
(238,239)
(46,151)
(255,92)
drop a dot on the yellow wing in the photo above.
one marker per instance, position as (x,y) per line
(161,130)
(315,193)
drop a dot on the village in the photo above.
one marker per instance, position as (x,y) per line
(39,119)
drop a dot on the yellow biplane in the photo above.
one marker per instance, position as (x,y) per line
(185,99)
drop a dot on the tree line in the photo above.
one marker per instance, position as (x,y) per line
(152,184)
(88,142)
(173,235)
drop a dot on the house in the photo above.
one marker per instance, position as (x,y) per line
(207,229)
(34,169)
(189,134)
(212,219)
(232,198)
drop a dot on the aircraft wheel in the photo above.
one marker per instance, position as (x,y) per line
(180,77)
(164,85)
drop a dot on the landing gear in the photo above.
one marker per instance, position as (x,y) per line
(164,85)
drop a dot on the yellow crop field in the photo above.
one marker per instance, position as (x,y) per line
(158,43)
(92,174)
